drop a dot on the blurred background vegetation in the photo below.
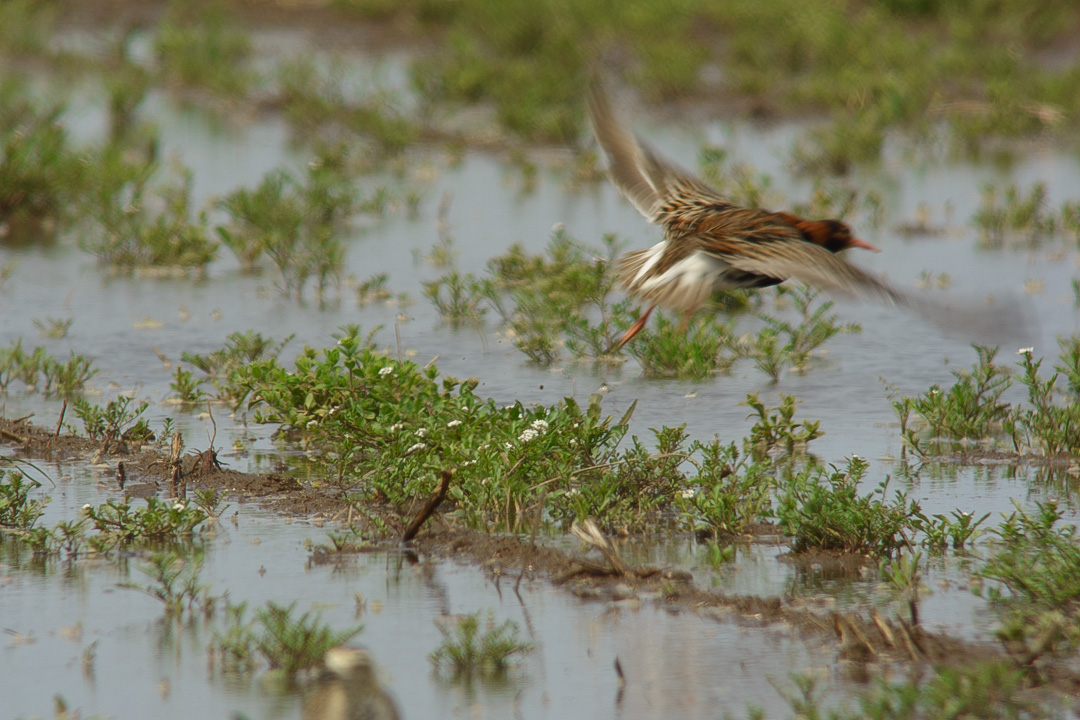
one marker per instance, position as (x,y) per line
(1000,68)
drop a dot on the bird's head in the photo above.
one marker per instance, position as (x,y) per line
(832,235)
(836,236)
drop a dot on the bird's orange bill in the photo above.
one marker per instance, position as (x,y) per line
(856,242)
(634,330)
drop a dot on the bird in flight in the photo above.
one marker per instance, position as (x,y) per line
(711,244)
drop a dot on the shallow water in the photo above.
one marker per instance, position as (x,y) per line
(678,665)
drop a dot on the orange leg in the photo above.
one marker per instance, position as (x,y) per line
(634,329)
(684,324)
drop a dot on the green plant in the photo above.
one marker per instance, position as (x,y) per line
(298,224)
(186,387)
(132,228)
(1023,217)
(200,45)
(904,576)
(118,419)
(291,644)
(373,290)
(118,523)
(972,408)
(235,647)
(467,652)
(39,172)
(39,370)
(68,378)
(821,508)
(458,298)
(240,349)
(940,532)
(315,99)
(990,689)
(1050,428)
(17,364)
(776,428)
(54,327)
(732,493)
(705,347)
(175,583)
(17,510)
(1037,563)
(812,330)
(209,501)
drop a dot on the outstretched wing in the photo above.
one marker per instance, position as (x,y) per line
(648,180)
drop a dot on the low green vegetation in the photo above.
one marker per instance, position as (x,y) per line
(37,370)
(139,228)
(903,575)
(1011,218)
(119,419)
(385,430)
(317,104)
(977,72)
(298,224)
(993,690)
(240,349)
(822,508)
(1033,583)
(174,582)
(100,529)
(39,173)
(200,45)
(286,642)
(561,303)
(54,328)
(949,420)
(467,652)
(869,66)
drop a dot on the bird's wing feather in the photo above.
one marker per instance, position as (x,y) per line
(809,263)
(647,179)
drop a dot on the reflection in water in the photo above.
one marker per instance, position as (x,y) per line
(348,690)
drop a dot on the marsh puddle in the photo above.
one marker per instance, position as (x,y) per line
(677,665)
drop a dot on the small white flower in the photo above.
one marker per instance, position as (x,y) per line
(508,445)
(688,493)
(539,425)
(396,426)
(421,432)
(528,434)
(468,463)
(1025,351)
(414,448)
(179,506)
(386,371)
(453,423)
